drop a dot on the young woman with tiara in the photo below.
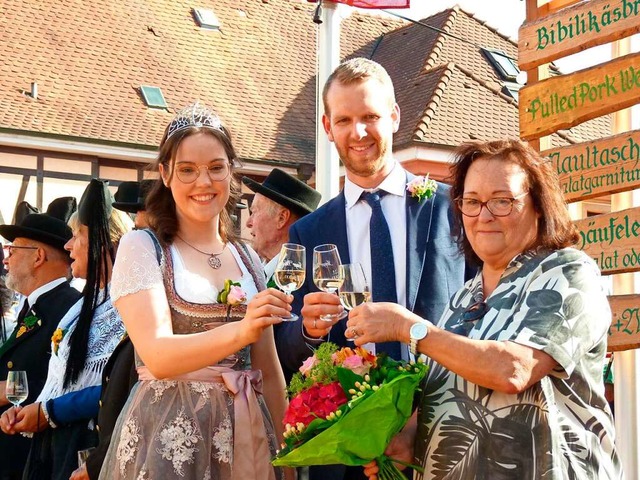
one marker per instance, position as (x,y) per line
(209,375)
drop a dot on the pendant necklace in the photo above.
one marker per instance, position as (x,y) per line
(213,260)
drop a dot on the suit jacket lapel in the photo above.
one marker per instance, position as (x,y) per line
(14,339)
(418,230)
(335,226)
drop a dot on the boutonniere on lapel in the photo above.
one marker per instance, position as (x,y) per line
(28,324)
(56,338)
(422,187)
(231,295)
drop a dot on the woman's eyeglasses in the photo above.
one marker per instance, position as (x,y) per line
(189,172)
(8,249)
(498,207)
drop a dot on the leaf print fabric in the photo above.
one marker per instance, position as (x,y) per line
(561,427)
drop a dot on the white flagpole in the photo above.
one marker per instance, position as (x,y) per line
(328,58)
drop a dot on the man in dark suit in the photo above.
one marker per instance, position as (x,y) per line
(408,255)
(38,268)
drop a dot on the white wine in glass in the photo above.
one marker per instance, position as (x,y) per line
(290,271)
(327,274)
(355,288)
(17,389)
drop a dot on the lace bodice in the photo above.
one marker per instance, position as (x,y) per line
(192,309)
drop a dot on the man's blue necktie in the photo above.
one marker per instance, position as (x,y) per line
(383,282)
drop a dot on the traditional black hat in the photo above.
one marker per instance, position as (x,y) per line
(63,208)
(95,203)
(40,227)
(287,191)
(23,209)
(131,196)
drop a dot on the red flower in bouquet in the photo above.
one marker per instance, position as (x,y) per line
(318,401)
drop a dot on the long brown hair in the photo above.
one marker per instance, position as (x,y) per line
(555,228)
(160,206)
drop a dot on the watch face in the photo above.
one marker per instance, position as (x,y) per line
(418,331)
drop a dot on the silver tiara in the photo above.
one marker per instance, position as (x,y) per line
(195,115)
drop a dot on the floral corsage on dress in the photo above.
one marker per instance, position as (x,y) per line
(231,295)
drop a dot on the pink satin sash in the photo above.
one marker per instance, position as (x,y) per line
(251,453)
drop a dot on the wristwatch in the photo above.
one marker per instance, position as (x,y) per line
(417,332)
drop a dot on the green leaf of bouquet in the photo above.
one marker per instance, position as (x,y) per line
(348,379)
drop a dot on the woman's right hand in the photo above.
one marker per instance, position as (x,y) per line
(400,448)
(266,308)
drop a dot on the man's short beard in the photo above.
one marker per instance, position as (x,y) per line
(12,284)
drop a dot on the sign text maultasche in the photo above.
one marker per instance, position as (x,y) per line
(575,29)
(624,332)
(612,240)
(604,166)
(567,100)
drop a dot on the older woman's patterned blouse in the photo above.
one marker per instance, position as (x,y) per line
(559,428)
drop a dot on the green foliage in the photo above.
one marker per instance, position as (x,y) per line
(324,372)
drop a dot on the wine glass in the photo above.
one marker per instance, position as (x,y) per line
(290,271)
(355,288)
(327,274)
(17,388)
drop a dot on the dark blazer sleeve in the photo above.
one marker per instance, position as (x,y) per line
(291,346)
(119,378)
(444,269)
(325,225)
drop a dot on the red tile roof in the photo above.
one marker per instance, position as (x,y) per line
(89,59)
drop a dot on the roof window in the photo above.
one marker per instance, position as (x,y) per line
(512,90)
(206,18)
(153,96)
(504,65)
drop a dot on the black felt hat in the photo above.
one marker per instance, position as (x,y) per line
(62,208)
(23,209)
(40,227)
(131,196)
(95,203)
(287,191)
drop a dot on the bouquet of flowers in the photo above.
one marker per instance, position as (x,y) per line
(345,407)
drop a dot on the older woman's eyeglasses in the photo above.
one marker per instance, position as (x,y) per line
(189,172)
(8,249)
(498,207)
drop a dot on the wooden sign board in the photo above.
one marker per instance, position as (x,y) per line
(575,29)
(562,102)
(604,166)
(612,240)
(624,332)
